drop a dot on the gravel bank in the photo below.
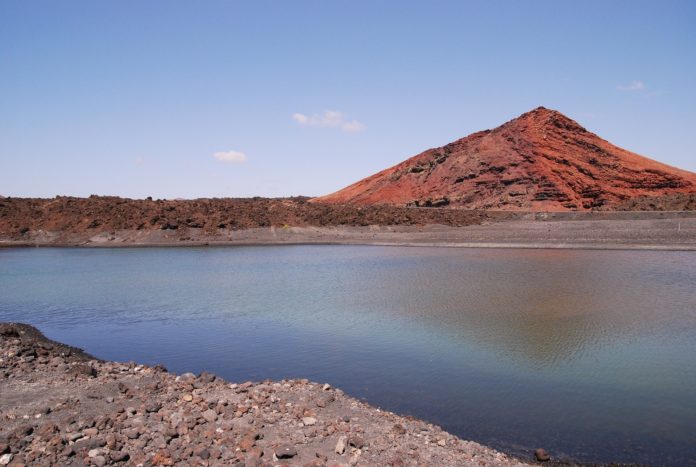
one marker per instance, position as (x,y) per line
(60,406)
(655,231)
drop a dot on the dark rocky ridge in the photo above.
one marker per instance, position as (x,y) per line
(20,217)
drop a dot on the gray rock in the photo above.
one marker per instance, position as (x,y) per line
(285,451)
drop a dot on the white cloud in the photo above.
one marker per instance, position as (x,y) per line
(329,119)
(230,156)
(632,87)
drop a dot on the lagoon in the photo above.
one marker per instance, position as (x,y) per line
(589,354)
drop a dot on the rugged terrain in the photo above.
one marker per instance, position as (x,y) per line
(540,161)
(59,406)
(114,222)
(678,202)
(27,218)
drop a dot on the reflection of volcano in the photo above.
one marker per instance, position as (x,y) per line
(541,306)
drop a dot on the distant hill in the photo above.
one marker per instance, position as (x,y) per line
(542,160)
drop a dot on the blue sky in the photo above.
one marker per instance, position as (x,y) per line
(274,98)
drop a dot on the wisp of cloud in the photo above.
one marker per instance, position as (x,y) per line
(329,119)
(230,156)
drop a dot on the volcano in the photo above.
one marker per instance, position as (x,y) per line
(541,160)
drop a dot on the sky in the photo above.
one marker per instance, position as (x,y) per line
(186,99)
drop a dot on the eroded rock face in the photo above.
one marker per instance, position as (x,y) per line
(541,160)
(68,219)
(128,414)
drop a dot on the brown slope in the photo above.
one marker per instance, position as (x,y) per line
(541,160)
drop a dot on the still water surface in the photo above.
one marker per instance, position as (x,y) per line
(590,354)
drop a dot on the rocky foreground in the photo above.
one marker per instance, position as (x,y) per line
(60,406)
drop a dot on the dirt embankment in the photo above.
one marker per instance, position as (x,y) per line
(61,407)
(87,217)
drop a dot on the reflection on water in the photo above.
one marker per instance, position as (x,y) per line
(587,353)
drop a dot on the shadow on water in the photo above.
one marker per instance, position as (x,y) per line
(586,353)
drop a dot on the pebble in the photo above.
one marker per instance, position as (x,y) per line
(119,456)
(5,459)
(210,415)
(356,441)
(309,421)
(341,445)
(541,455)
(285,451)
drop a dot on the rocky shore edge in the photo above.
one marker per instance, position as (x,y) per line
(61,406)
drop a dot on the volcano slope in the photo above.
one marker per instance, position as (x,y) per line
(540,161)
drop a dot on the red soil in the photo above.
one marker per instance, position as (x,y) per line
(541,160)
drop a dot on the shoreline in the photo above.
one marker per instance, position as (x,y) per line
(675,231)
(66,407)
(491,246)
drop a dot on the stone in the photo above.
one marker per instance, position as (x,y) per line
(99,461)
(93,453)
(341,445)
(210,415)
(83,369)
(153,407)
(356,441)
(187,397)
(162,457)
(207,377)
(201,451)
(541,455)
(309,421)
(131,433)
(247,443)
(5,459)
(119,456)
(285,451)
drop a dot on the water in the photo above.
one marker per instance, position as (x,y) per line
(590,354)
